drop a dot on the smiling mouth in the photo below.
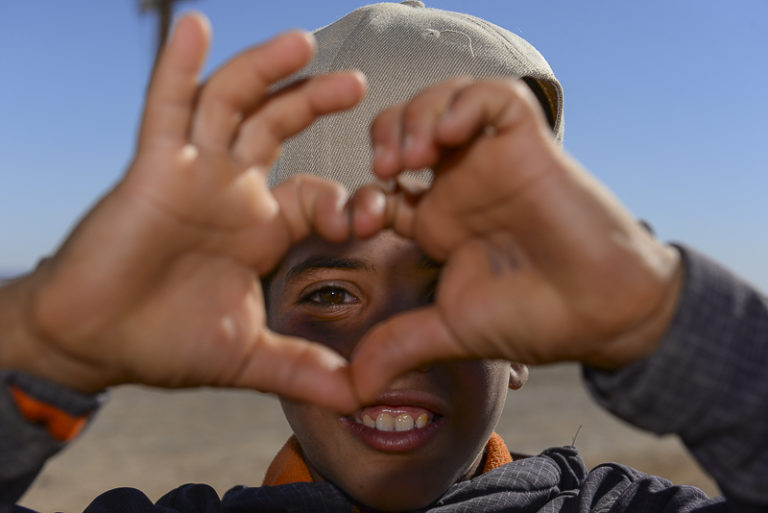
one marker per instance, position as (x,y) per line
(394,429)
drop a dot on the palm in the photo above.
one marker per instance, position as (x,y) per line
(497,305)
(168,265)
(221,221)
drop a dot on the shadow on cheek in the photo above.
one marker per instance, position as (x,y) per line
(334,335)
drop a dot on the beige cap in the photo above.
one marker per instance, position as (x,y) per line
(403,48)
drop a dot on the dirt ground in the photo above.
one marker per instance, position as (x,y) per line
(156,440)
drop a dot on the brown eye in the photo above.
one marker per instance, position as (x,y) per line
(329,297)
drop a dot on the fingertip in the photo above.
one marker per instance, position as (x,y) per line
(349,87)
(362,80)
(303,371)
(385,161)
(366,386)
(419,151)
(336,393)
(191,30)
(309,37)
(371,365)
(331,216)
(369,211)
(304,42)
(200,19)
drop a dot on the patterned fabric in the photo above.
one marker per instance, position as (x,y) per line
(25,445)
(554,481)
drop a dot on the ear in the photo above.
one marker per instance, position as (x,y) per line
(518,375)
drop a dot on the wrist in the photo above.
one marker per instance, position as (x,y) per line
(62,412)
(23,345)
(17,339)
(641,338)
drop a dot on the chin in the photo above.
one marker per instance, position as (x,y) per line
(395,489)
(395,501)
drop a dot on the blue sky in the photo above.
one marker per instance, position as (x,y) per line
(666,102)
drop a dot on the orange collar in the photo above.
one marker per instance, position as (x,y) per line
(289,465)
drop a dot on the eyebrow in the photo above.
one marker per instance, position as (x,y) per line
(315,262)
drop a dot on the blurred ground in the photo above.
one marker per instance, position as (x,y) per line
(157,440)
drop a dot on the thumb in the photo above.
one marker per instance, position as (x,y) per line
(397,345)
(298,369)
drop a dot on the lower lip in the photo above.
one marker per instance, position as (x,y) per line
(394,441)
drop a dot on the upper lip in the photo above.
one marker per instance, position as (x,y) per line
(418,398)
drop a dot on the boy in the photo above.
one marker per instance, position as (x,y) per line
(538,264)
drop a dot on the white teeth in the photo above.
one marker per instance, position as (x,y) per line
(403,422)
(385,422)
(389,422)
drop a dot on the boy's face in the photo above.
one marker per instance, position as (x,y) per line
(332,294)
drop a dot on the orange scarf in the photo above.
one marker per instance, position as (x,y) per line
(289,465)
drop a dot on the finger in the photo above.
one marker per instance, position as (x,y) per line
(369,211)
(290,212)
(488,107)
(419,148)
(295,368)
(241,84)
(308,203)
(173,88)
(291,110)
(398,345)
(374,207)
(385,141)
(403,135)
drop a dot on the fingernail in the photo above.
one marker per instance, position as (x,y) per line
(382,157)
(378,151)
(408,142)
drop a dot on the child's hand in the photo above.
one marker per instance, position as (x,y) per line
(160,283)
(541,263)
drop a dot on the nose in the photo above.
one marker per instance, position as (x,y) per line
(394,304)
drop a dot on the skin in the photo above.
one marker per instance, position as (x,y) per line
(159,283)
(517,223)
(542,263)
(336,302)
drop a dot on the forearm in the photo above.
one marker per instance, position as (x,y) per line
(27,347)
(706,381)
(17,341)
(37,419)
(37,416)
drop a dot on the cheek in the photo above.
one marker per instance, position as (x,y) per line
(340,335)
(300,416)
(483,387)
(308,423)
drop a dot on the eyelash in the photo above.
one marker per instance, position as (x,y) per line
(312,297)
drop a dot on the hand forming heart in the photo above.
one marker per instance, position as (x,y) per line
(160,283)
(541,263)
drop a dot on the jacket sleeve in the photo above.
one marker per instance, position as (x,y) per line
(26,444)
(707,381)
